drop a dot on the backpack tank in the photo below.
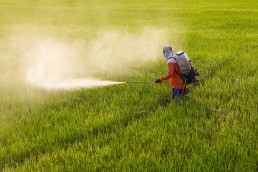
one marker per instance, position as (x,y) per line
(183,62)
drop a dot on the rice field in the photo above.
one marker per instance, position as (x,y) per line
(128,127)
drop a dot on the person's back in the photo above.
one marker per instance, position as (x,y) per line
(174,75)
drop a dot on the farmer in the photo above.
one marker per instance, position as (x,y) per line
(176,81)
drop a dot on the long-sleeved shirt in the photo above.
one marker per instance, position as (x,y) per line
(174,75)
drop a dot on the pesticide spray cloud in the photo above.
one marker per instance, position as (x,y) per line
(119,52)
(54,64)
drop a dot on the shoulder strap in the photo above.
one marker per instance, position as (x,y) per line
(173,58)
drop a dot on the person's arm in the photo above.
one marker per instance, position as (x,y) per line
(170,72)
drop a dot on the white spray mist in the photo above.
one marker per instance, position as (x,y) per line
(54,64)
(119,52)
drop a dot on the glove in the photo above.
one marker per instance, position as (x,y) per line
(158,81)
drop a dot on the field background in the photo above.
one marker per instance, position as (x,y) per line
(135,127)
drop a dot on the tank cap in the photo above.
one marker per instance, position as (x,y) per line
(180,53)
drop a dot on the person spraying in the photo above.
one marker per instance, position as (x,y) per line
(177,82)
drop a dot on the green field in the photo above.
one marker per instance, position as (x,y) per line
(131,127)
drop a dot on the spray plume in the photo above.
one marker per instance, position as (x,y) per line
(54,64)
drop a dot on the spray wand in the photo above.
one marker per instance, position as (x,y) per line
(135,82)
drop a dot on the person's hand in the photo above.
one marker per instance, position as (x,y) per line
(158,81)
